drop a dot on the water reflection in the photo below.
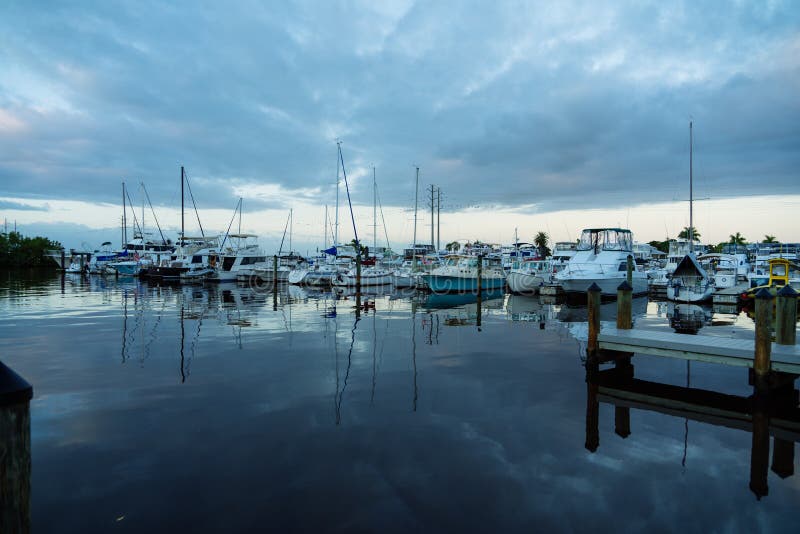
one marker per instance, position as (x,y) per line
(777,415)
(688,318)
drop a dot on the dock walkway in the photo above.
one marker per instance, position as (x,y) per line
(712,349)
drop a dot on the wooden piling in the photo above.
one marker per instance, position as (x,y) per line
(629,270)
(15,459)
(763,344)
(275,282)
(358,272)
(786,316)
(63,260)
(624,306)
(593,306)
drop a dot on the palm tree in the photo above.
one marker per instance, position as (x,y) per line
(685,233)
(737,239)
(540,240)
(769,239)
(453,246)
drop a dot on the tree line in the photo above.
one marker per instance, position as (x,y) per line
(734,239)
(17,250)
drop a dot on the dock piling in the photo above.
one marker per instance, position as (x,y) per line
(624,306)
(629,270)
(786,316)
(763,343)
(480,289)
(358,272)
(593,295)
(15,460)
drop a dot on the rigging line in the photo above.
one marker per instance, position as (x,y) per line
(238,205)
(349,202)
(133,211)
(188,185)
(280,249)
(383,220)
(163,241)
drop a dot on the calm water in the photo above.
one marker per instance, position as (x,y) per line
(189,409)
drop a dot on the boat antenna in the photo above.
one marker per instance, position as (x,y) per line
(349,202)
(163,241)
(202,234)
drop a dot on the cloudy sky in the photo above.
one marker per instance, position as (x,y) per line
(526,115)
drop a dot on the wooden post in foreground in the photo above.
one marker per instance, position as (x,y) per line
(763,345)
(786,316)
(358,272)
(629,270)
(15,459)
(593,307)
(624,305)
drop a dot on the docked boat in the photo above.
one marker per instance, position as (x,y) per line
(527,277)
(460,273)
(370,276)
(690,282)
(601,257)
(723,268)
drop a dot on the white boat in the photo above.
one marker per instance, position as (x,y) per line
(527,277)
(370,276)
(690,282)
(723,268)
(239,259)
(601,257)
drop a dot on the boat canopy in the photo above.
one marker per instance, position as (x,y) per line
(598,239)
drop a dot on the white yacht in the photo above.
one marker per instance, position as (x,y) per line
(690,282)
(240,258)
(723,268)
(370,276)
(601,258)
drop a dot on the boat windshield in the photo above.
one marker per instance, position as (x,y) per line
(605,239)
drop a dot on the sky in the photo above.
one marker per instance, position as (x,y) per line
(529,116)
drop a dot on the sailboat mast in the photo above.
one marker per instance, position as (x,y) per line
(182,217)
(124,219)
(691,220)
(374,212)
(325,228)
(416,202)
(336,223)
(291,224)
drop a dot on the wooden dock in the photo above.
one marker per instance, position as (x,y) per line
(712,349)
(731,295)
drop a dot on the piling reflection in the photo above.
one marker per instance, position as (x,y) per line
(775,415)
(15,452)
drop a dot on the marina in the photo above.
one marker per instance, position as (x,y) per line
(367,371)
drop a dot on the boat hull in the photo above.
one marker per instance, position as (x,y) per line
(680,293)
(457,284)
(524,283)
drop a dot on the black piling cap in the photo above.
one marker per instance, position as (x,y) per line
(624,286)
(594,288)
(787,291)
(13,388)
(764,293)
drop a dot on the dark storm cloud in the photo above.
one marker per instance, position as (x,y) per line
(11,205)
(513,105)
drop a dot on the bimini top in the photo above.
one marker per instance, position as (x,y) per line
(597,239)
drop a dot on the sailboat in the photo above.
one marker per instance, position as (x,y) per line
(690,282)
(369,276)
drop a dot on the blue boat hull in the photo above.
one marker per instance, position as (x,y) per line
(456,284)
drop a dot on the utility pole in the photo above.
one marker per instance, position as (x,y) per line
(438,219)
(433,213)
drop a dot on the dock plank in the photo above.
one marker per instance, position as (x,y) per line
(712,349)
